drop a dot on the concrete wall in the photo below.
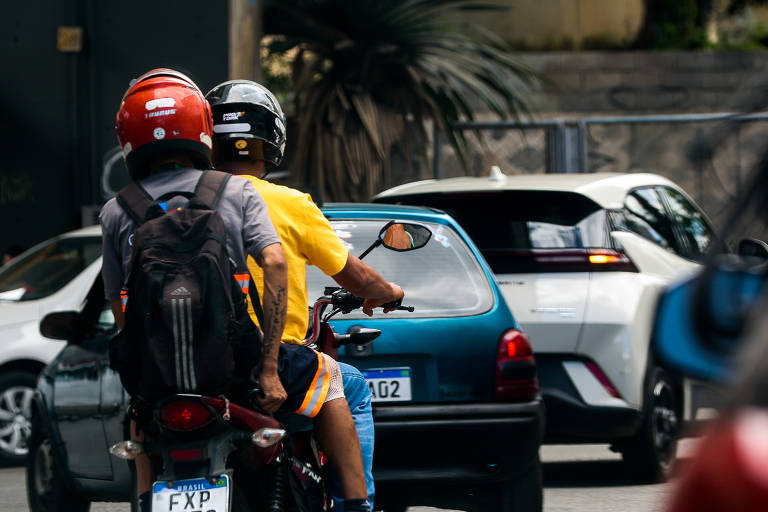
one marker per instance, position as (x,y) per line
(563,23)
(591,84)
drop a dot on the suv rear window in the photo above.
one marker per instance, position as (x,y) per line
(442,279)
(48,268)
(520,220)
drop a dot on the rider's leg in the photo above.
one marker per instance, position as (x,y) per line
(359,399)
(143,471)
(336,433)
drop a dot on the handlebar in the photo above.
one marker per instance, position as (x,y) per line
(346,302)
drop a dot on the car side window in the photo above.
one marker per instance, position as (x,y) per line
(691,223)
(644,215)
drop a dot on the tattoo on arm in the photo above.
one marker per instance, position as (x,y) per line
(274,320)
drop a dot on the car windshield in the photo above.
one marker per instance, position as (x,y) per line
(47,268)
(521,219)
(441,279)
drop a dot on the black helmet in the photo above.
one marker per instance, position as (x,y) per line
(248,123)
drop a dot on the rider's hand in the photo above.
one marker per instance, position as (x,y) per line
(274,392)
(370,304)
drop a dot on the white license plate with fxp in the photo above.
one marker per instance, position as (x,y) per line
(199,494)
(389,384)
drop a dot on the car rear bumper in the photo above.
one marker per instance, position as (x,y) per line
(570,418)
(454,443)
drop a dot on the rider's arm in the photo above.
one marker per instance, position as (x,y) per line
(324,249)
(117,311)
(363,281)
(112,259)
(274,300)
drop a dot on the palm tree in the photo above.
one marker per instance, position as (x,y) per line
(368,74)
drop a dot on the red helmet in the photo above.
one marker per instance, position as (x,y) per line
(163,112)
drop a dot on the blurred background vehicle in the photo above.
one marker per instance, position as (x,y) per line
(580,259)
(53,275)
(457,410)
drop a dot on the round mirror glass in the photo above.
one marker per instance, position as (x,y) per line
(402,236)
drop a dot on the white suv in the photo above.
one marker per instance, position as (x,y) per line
(54,275)
(580,259)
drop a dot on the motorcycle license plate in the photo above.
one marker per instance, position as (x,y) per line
(199,494)
(389,384)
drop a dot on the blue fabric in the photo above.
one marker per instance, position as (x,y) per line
(359,400)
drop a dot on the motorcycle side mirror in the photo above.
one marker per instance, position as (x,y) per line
(400,237)
(754,250)
(700,321)
(403,236)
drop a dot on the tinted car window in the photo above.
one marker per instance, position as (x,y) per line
(644,215)
(693,227)
(514,220)
(441,279)
(48,268)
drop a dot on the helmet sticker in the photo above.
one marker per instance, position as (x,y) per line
(160,103)
(127,148)
(206,139)
(159,133)
(159,113)
(232,116)
(241,144)
(232,128)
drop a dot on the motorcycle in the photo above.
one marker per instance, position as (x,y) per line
(213,455)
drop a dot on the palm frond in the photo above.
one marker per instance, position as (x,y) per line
(369,74)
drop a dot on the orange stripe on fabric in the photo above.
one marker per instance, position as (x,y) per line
(323,393)
(311,390)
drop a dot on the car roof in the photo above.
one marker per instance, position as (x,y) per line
(607,189)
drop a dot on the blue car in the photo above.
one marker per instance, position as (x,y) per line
(457,411)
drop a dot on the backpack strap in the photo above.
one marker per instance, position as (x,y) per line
(211,186)
(135,201)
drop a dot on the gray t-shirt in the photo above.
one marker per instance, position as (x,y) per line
(244,212)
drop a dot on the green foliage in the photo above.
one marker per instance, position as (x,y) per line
(368,74)
(673,24)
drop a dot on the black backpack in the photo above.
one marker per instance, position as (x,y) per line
(187,328)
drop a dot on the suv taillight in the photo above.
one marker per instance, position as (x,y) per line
(515,369)
(185,415)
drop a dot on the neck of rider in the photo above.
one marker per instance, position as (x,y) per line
(249,167)
(173,161)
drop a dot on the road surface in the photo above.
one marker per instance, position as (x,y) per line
(576,478)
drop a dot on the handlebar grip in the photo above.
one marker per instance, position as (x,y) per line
(398,305)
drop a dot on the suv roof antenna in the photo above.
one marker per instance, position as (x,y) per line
(496,174)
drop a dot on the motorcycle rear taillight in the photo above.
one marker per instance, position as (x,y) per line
(515,369)
(185,415)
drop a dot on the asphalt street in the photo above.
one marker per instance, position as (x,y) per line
(576,478)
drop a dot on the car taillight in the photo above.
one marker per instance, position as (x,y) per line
(515,369)
(185,415)
(608,259)
(559,260)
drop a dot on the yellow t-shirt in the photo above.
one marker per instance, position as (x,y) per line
(307,239)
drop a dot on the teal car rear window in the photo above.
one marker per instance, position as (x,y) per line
(442,279)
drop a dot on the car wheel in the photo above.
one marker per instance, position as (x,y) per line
(47,490)
(522,494)
(16,392)
(651,453)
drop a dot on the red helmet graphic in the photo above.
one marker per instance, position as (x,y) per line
(163,112)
